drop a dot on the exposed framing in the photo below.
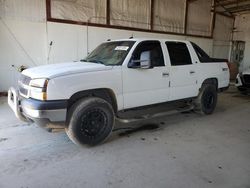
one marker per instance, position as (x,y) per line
(185,17)
(151,30)
(213,17)
(152,2)
(233,7)
(108,12)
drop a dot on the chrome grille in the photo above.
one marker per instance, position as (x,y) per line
(23,84)
(24,79)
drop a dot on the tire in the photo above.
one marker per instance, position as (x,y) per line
(206,100)
(90,121)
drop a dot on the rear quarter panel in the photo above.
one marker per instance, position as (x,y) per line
(220,71)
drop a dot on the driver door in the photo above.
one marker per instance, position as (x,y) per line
(145,86)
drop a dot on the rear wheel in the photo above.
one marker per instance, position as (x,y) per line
(90,121)
(207,99)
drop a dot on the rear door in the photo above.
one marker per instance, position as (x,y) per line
(183,75)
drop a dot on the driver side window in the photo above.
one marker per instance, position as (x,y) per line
(155,52)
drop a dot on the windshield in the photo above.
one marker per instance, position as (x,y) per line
(110,53)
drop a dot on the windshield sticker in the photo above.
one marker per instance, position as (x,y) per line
(124,48)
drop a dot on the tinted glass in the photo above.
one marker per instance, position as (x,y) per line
(203,57)
(178,53)
(110,53)
(156,52)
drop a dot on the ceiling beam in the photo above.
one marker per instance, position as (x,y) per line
(224,14)
(191,1)
(221,5)
(231,3)
(239,8)
(224,1)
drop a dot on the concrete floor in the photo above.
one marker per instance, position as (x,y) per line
(188,150)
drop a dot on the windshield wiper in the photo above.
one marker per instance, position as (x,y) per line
(96,61)
(92,61)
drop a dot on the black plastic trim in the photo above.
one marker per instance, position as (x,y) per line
(244,84)
(44,105)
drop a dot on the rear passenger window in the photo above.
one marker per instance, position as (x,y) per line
(178,53)
(203,57)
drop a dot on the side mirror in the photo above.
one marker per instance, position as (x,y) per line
(144,62)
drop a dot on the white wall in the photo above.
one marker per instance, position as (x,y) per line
(70,41)
(21,43)
(26,42)
(69,44)
(242,32)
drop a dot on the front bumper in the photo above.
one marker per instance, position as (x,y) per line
(241,84)
(42,113)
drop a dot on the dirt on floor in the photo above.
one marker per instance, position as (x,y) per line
(181,150)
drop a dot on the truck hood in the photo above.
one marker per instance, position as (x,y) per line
(62,69)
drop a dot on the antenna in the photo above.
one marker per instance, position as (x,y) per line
(132,36)
(50,46)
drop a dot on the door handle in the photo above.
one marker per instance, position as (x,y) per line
(165,74)
(192,72)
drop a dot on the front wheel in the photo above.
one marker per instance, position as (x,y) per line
(207,99)
(91,121)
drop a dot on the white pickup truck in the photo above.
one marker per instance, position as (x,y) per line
(86,97)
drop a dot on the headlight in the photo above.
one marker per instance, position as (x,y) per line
(38,89)
(40,83)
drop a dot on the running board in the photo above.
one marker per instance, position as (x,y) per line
(151,116)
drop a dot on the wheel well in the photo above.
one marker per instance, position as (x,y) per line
(213,81)
(104,93)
